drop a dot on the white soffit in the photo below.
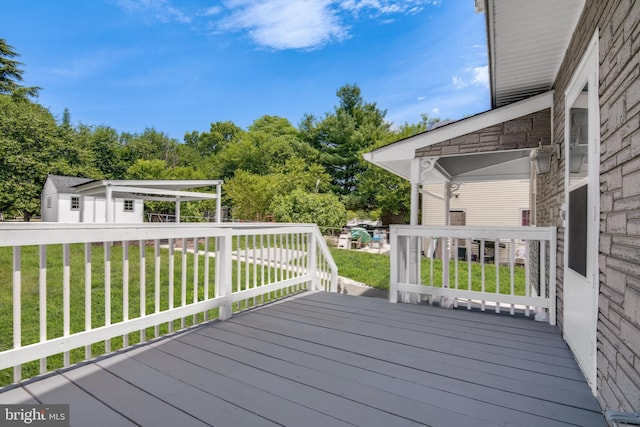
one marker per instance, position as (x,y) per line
(527,41)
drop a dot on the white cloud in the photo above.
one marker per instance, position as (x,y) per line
(420,98)
(481,75)
(210,11)
(92,64)
(286,24)
(458,82)
(279,24)
(477,76)
(161,10)
(385,6)
(435,110)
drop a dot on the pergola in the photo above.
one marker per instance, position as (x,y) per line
(156,190)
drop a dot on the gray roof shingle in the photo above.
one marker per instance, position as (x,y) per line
(66,184)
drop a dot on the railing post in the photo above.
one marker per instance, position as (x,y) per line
(394,260)
(17,309)
(541,316)
(66,298)
(312,261)
(43,302)
(552,276)
(223,274)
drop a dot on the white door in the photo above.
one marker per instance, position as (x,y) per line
(582,196)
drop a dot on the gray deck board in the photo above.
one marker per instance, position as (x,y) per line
(333,360)
(58,389)
(399,379)
(17,396)
(206,407)
(463,340)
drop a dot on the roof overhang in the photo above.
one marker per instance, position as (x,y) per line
(483,166)
(157,190)
(527,42)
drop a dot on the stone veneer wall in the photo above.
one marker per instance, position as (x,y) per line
(520,133)
(618,381)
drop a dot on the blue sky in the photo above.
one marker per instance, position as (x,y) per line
(178,65)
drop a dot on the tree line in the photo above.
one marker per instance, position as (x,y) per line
(312,172)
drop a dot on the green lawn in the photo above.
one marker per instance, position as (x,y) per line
(371,269)
(374,270)
(30,316)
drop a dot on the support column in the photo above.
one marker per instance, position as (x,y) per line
(449,188)
(414,242)
(219,203)
(446,243)
(108,216)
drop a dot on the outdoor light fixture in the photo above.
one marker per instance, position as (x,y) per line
(541,158)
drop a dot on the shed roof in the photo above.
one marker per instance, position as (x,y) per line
(67,184)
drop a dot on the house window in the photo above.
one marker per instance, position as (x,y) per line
(525,217)
(49,203)
(128,205)
(75,203)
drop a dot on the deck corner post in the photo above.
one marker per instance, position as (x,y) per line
(394,257)
(312,261)
(552,276)
(224,266)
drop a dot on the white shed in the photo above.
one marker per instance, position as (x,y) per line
(74,199)
(62,201)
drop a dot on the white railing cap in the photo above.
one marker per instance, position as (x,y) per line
(475,232)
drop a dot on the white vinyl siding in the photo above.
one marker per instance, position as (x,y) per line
(498,203)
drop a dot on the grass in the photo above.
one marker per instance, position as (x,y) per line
(374,270)
(30,308)
(371,269)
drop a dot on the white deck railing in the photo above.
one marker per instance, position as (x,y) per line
(70,292)
(521,260)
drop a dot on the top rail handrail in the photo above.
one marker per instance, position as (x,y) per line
(324,248)
(475,232)
(243,265)
(27,234)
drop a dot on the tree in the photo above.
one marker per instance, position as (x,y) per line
(33,146)
(66,119)
(147,169)
(342,137)
(296,173)
(251,195)
(11,74)
(157,169)
(107,148)
(150,145)
(382,192)
(268,144)
(207,143)
(300,206)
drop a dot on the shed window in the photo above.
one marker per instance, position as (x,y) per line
(525,217)
(49,202)
(128,205)
(75,203)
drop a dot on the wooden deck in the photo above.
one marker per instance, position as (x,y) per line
(327,359)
